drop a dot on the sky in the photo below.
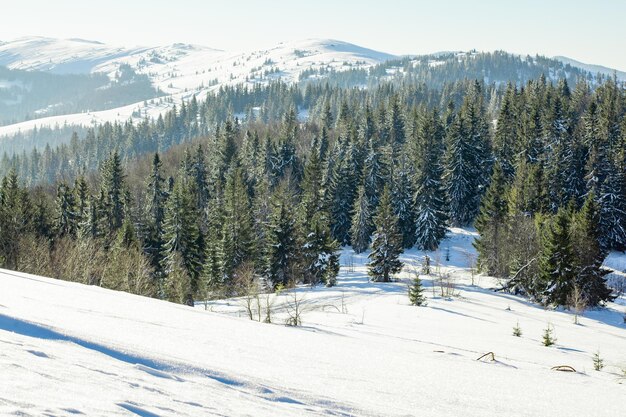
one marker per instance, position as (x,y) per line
(591,31)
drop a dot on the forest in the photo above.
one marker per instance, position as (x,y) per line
(192,205)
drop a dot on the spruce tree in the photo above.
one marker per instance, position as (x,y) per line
(402,196)
(416,292)
(431,218)
(362,228)
(490,224)
(181,234)
(556,263)
(387,243)
(237,230)
(589,254)
(113,187)
(213,277)
(320,255)
(67,218)
(154,240)
(283,251)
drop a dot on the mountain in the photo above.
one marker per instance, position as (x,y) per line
(594,69)
(73,349)
(75,82)
(175,71)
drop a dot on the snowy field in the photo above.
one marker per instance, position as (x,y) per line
(70,349)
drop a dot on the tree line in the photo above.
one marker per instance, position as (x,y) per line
(537,174)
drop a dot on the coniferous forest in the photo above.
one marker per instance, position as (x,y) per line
(184,207)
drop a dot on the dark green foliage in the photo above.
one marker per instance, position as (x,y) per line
(431,219)
(181,235)
(490,224)
(416,292)
(320,255)
(67,217)
(387,243)
(283,251)
(237,230)
(113,189)
(589,255)
(548,336)
(556,263)
(362,227)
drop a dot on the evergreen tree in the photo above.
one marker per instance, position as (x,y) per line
(387,243)
(213,277)
(181,234)
(459,177)
(361,229)
(431,219)
(506,134)
(416,292)
(589,255)
(15,219)
(113,188)
(320,252)
(402,195)
(155,233)
(557,267)
(283,250)
(237,228)
(490,224)
(67,218)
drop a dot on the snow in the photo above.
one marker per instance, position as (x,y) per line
(179,70)
(67,348)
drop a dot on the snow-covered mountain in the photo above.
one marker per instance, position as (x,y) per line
(72,349)
(594,69)
(178,70)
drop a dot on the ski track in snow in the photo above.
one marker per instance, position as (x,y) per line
(69,349)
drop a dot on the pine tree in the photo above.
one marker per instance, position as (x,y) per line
(113,187)
(283,250)
(557,268)
(548,337)
(387,243)
(320,252)
(361,229)
(459,176)
(490,224)
(213,278)
(237,228)
(156,199)
(431,219)
(312,187)
(181,234)
(506,135)
(340,201)
(598,363)
(67,219)
(15,219)
(416,292)
(589,255)
(612,200)
(402,195)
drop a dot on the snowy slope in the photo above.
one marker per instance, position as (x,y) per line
(67,348)
(594,69)
(179,70)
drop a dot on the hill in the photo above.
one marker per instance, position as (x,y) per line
(362,351)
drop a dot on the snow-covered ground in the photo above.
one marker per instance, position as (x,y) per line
(67,349)
(179,70)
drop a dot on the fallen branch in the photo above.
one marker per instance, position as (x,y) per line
(563,368)
(493,357)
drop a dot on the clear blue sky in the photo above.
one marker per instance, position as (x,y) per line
(592,31)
